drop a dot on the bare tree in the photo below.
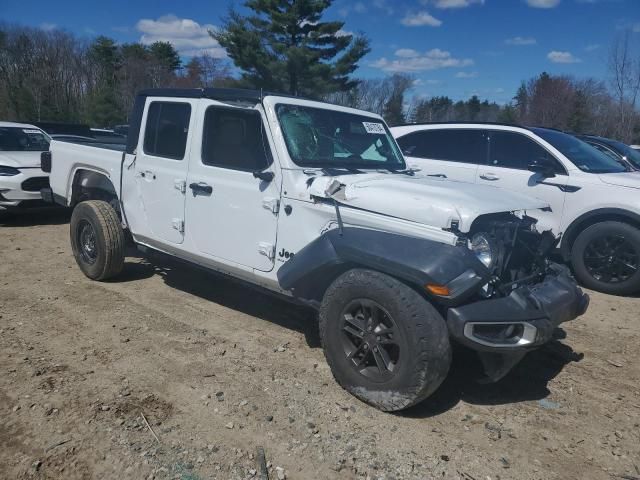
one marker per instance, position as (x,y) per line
(624,68)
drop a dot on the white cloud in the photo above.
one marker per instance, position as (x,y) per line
(445,4)
(420,19)
(410,61)
(467,75)
(47,27)
(592,48)
(562,57)
(519,41)
(187,36)
(543,3)
(407,53)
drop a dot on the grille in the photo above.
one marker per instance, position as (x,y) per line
(35,184)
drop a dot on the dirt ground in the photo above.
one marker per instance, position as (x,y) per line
(218,370)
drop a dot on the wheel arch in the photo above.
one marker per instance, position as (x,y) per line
(413,261)
(591,218)
(91,184)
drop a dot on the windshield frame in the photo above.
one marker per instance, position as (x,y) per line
(548,135)
(348,164)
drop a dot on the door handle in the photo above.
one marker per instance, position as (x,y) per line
(201,188)
(489,176)
(437,175)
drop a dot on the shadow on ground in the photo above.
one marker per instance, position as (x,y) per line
(35,217)
(226,291)
(528,381)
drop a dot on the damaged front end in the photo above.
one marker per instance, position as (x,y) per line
(523,298)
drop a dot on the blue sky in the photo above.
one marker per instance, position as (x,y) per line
(451,47)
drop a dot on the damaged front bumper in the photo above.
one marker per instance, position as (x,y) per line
(503,329)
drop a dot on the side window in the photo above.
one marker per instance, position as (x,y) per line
(235,139)
(462,146)
(514,150)
(165,134)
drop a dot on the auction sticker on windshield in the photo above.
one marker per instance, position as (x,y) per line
(25,130)
(376,128)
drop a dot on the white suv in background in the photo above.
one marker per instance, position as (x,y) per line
(21,177)
(595,201)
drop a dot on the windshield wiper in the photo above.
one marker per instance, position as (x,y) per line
(405,171)
(333,171)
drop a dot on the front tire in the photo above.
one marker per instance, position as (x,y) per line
(97,239)
(384,342)
(606,257)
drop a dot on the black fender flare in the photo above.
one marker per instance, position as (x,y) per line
(587,219)
(416,261)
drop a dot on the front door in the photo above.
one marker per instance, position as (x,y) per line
(154,180)
(510,154)
(233,189)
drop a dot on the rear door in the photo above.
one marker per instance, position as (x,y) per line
(510,154)
(154,192)
(446,153)
(232,214)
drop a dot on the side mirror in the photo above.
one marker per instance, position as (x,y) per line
(264,176)
(542,166)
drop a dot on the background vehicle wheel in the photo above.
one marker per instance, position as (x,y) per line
(606,258)
(97,239)
(385,343)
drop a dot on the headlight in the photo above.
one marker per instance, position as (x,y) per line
(484,249)
(8,171)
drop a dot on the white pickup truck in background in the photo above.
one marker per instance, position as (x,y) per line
(314,202)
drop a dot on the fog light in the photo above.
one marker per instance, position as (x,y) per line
(515,334)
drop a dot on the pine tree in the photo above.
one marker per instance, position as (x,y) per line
(284,46)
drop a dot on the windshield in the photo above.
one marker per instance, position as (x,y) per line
(631,155)
(318,137)
(15,139)
(581,154)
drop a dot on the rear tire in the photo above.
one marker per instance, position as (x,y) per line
(413,335)
(97,239)
(604,256)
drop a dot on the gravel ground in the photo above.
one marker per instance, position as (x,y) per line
(218,370)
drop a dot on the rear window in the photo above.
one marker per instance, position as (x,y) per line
(167,129)
(462,146)
(16,139)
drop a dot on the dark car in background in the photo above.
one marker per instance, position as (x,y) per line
(619,151)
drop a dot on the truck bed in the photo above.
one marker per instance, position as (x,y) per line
(69,158)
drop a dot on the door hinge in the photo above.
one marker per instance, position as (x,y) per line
(267,249)
(180,185)
(178,224)
(272,204)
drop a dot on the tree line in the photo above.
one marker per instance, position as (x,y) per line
(283,45)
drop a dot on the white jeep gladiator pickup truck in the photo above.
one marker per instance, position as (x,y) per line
(314,201)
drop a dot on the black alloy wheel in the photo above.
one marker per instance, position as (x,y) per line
(606,257)
(611,258)
(369,336)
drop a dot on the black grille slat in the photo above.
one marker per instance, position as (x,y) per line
(35,184)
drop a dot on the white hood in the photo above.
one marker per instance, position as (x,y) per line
(429,201)
(623,179)
(20,159)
